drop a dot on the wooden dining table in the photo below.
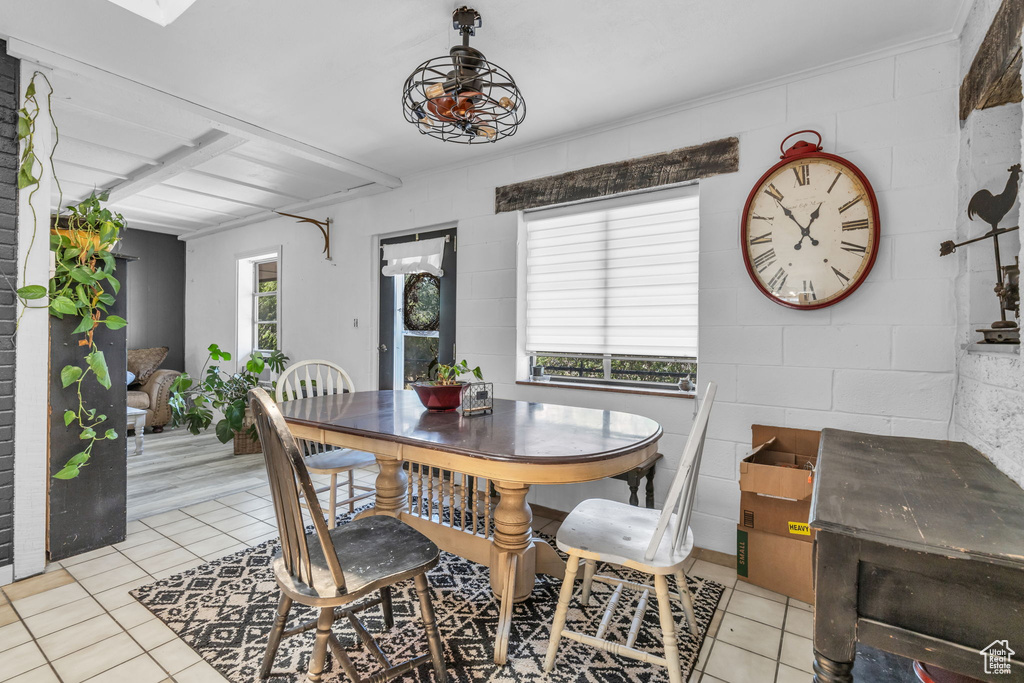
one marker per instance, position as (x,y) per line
(438,472)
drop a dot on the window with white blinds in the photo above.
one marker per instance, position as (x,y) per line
(614,277)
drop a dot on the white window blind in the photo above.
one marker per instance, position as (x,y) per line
(614,277)
(417,256)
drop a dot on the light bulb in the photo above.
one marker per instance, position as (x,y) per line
(487,132)
(435,90)
(506,103)
(425,122)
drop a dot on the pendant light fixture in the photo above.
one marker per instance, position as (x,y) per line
(462,97)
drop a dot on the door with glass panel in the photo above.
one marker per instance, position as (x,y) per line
(417,306)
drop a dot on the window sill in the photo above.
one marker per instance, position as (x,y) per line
(608,388)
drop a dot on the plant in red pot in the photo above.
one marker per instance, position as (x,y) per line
(444,394)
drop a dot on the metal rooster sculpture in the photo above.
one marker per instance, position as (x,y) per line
(991,209)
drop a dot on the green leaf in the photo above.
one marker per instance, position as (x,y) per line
(68,472)
(32,292)
(255,365)
(114,284)
(98,363)
(224,431)
(25,177)
(83,326)
(115,322)
(30,91)
(87,433)
(79,459)
(107,299)
(234,412)
(110,434)
(69,416)
(24,127)
(69,375)
(62,304)
(83,275)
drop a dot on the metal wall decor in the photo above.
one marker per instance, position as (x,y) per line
(992,209)
(325,229)
(478,399)
(462,97)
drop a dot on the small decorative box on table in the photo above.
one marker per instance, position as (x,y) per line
(478,399)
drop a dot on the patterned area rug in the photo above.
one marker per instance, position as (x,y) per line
(224,611)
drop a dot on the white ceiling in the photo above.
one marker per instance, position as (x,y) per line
(329,73)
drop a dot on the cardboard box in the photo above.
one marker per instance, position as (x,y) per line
(779,463)
(779,516)
(775,562)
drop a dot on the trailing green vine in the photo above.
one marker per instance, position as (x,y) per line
(83,285)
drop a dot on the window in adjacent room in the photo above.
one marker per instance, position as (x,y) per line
(266,305)
(611,290)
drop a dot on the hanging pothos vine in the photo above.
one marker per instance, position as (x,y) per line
(82,285)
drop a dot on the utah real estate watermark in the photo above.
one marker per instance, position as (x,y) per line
(997,657)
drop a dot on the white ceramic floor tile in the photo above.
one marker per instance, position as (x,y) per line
(760,592)
(797,652)
(178,569)
(21,659)
(180,526)
(759,609)
(81,635)
(155,547)
(199,533)
(134,526)
(99,565)
(97,658)
(41,674)
(141,669)
(750,635)
(119,596)
(705,650)
(217,515)
(61,617)
(200,508)
(152,633)
(199,673)
(131,615)
(251,531)
(175,656)
(224,552)
(13,635)
(788,674)
(166,560)
(138,538)
(85,557)
(47,600)
(801,605)
(734,665)
(716,572)
(111,579)
(211,545)
(236,498)
(156,521)
(232,523)
(800,622)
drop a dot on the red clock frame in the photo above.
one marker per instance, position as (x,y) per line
(807,150)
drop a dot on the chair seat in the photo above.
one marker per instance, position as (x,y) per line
(373,551)
(338,460)
(609,531)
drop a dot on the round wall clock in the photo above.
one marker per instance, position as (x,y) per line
(810,228)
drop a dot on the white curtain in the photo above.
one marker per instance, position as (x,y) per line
(417,256)
(616,277)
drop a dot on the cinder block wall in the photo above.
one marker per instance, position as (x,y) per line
(8,304)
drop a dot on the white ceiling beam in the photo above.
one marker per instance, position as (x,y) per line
(218,197)
(130,211)
(208,146)
(154,226)
(104,171)
(327,200)
(131,155)
(61,103)
(243,183)
(229,124)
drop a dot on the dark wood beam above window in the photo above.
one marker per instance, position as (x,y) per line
(666,168)
(994,76)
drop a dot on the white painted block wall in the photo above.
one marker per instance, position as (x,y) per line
(881,361)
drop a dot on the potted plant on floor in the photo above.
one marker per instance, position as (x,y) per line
(444,393)
(194,404)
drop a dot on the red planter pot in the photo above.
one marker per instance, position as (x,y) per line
(440,398)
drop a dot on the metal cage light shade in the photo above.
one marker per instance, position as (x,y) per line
(462,97)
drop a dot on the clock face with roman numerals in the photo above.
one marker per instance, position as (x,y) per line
(810,231)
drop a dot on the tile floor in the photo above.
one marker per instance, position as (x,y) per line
(77,622)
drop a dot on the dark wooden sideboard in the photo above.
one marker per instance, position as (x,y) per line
(919,551)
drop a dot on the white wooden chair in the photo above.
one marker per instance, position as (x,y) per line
(617,533)
(320,378)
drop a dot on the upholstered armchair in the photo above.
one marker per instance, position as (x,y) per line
(153,398)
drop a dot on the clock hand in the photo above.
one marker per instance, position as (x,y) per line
(806,232)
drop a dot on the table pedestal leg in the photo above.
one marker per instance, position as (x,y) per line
(513,558)
(828,671)
(392,489)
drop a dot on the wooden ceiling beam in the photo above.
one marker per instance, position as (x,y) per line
(994,76)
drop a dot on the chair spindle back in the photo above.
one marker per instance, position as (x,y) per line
(287,474)
(313,378)
(675,516)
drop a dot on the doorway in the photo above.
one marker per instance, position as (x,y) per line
(417,316)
